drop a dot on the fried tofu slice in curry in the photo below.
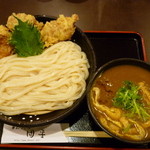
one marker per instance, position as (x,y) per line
(145,90)
(12,21)
(5,48)
(58,30)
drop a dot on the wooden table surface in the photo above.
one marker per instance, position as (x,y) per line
(95,15)
(102,15)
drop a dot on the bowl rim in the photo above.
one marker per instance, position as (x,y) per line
(107,65)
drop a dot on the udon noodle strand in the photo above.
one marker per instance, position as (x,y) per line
(43,83)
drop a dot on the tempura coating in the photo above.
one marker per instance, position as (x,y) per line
(12,21)
(5,48)
(58,30)
(4,31)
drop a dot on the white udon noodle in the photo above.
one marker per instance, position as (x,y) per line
(40,84)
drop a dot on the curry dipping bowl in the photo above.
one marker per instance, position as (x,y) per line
(23,120)
(118,99)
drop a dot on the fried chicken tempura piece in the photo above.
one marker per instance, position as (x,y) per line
(4,31)
(12,21)
(5,48)
(58,30)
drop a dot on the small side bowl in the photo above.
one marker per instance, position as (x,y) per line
(107,66)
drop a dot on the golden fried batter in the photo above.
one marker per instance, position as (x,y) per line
(58,30)
(4,31)
(12,21)
(5,48)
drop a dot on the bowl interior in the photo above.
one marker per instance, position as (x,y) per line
(38,120)
(116,62)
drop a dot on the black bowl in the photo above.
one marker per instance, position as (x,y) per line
(106,66)
(40,120)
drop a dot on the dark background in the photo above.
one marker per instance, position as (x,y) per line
(102,15)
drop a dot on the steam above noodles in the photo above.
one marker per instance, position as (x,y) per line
(43,83)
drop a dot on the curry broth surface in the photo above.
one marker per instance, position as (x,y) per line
(113,78)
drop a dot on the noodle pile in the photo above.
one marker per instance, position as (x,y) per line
(43,83)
